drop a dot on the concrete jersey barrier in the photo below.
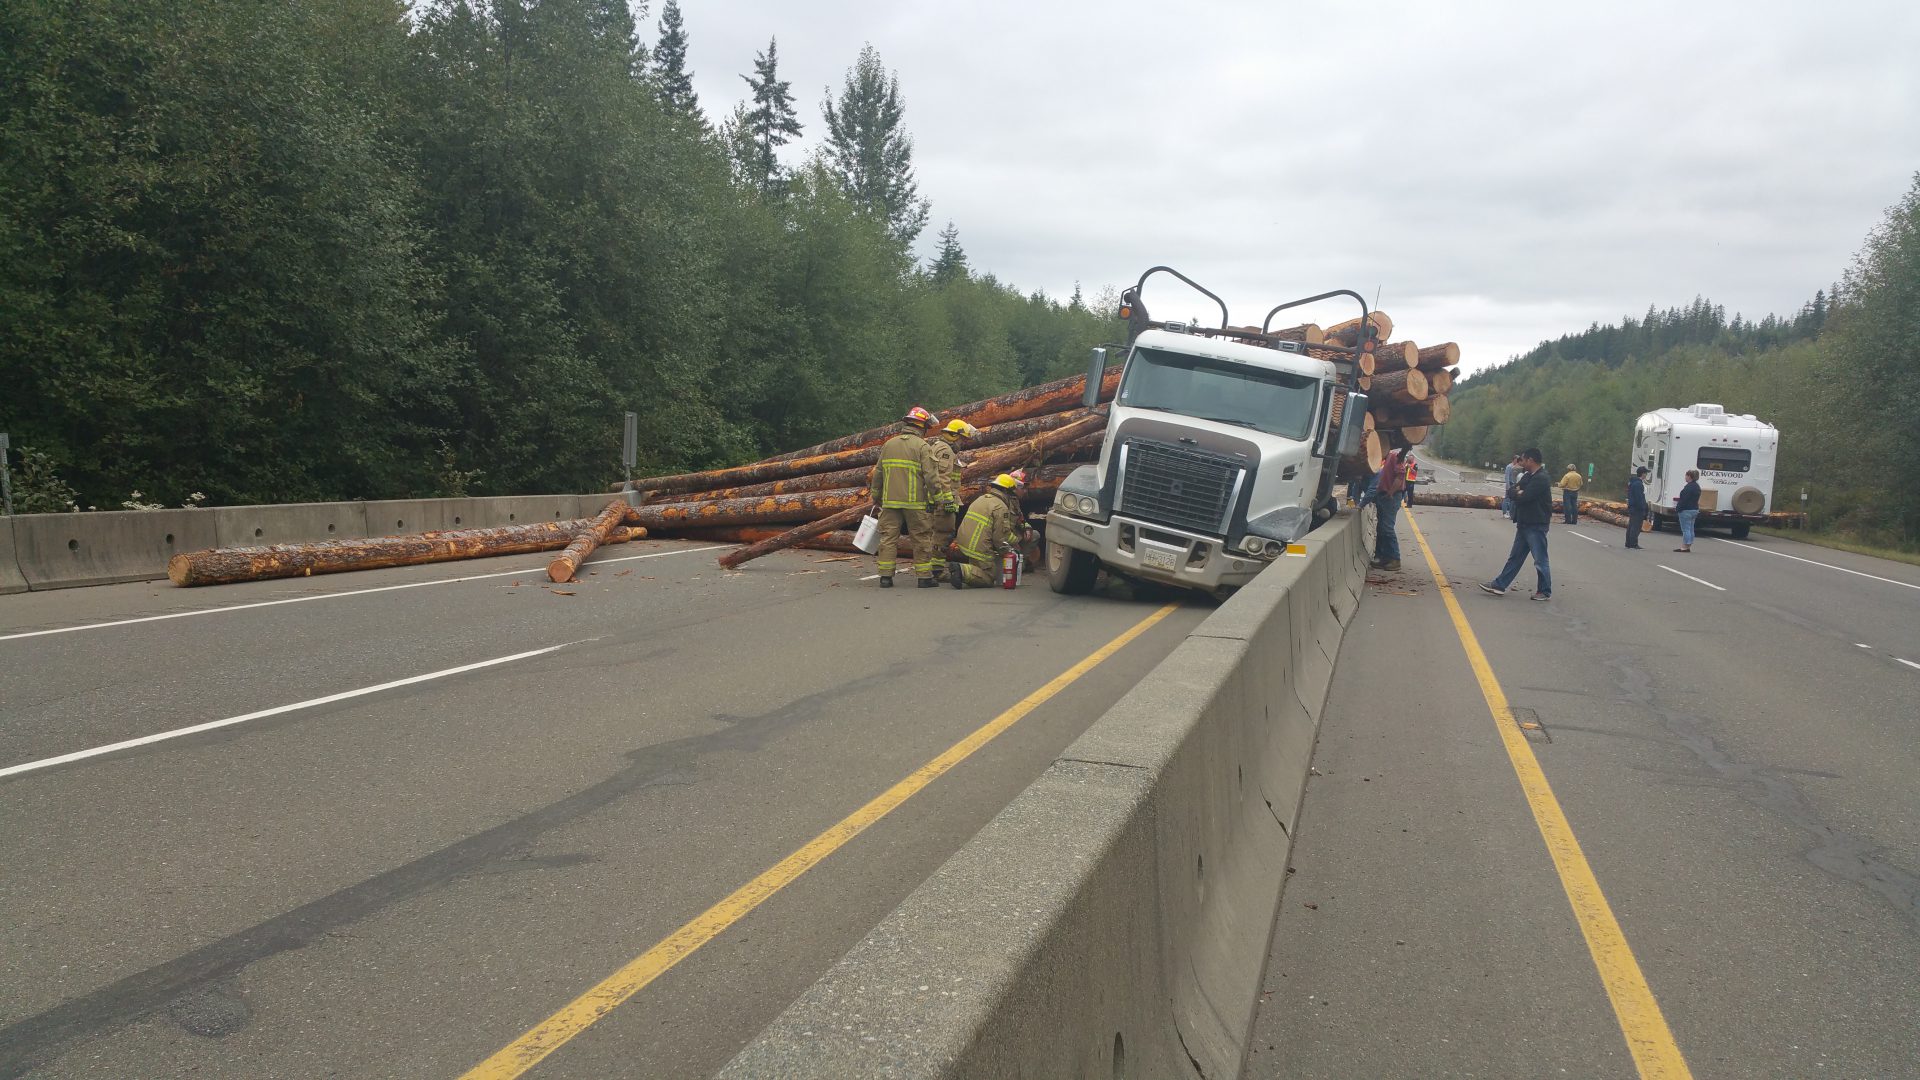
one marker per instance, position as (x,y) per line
(11,579)
(1114,919)
(58,551)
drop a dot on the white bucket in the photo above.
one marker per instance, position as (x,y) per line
(867,536)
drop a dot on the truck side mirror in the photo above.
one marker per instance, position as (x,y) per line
(1096,371)
(1353,423)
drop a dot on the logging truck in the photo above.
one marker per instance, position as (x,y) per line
(1219,452)
(1735,456)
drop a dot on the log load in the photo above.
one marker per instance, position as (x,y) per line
(1440,381)
(1390,356)
(1056,396)
(222,566)
(1434,410)
(1460,502)
(1308,333)
(564,565)
(996,461)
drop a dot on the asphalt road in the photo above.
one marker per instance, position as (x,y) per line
(455,799)
(1735,751)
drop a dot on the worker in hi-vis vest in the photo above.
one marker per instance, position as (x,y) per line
(900,486)
(992,526)
(945,504)
(1570,494)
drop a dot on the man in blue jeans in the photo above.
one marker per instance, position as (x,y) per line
(1687,509)
(1384,493)
(1532,496)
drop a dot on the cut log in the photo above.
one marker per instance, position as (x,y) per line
(222,566)
(1434,410)
(1056,396)
(770,472)
(768,510)
(1460,502)
(1435,357)
(1407,386)
(1347,333)
(995,461)
(1412,436)
(1309,333)
(1440,382)
(1393,356)
(567,563)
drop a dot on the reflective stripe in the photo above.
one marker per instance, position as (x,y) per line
(982,527)
(907,472)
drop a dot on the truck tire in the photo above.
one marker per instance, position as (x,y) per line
(1741,529)
(1070,571)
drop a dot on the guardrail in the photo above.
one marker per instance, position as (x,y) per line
(60,551)
(1114,919)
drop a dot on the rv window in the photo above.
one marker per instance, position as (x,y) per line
(1660,470)
(1725,459)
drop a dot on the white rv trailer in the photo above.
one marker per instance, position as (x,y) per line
(1735,456)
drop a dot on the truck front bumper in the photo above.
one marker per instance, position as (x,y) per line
(1155,552)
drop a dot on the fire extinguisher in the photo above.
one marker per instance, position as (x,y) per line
(1009,568)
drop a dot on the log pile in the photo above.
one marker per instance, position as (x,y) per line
(1407,387)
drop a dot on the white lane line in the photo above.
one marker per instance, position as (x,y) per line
(1815,562)
(1859,645)
(1689,577)
(337,595)
(1909,663)
(1587,538)
(144,740)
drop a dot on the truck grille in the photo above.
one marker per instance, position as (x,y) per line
(1174,485)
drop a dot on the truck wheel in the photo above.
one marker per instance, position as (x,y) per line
(1070,571)
(1741,529)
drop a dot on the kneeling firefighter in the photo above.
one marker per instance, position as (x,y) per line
(992,526)
(900,485)
(944,507)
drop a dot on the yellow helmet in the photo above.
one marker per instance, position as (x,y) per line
(960,429)
(1012,481)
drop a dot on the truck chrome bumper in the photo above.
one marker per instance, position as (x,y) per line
(1155,552)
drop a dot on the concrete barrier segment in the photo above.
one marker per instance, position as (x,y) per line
(11,579)
(287,523)
(58,551)
(1113,920)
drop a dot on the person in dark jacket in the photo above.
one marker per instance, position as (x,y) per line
(1532,498)
(1384,493)
(1636,506)
(1688,510)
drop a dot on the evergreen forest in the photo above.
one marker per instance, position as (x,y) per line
(335,249)
(1840,378)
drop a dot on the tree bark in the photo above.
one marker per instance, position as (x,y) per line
(567,563)
(1434,410)
(767,510)
(1435,357)
(1393,356)
(223,566)
(1347,333)
(1460,502)
(1405,387)
(1309,333)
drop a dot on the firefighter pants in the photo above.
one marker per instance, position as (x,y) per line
(980,575)
(944,523)
(917,526)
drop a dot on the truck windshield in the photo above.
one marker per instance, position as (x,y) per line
(1278,402)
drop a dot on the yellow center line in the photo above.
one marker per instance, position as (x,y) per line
(1648,1038)
(552,1033)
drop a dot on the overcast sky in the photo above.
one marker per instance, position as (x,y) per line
(1500,174)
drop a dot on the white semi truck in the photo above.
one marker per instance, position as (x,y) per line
(1220,451)
(1735,456)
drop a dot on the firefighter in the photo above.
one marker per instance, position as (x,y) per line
(992,526)
(945,512)
(900,485)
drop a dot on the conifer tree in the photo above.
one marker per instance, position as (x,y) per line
(671,79)
(868,150)
(756,134)
(950,263)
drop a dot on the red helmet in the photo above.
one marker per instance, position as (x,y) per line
(920,416)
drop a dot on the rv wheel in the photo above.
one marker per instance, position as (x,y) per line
(1741,530)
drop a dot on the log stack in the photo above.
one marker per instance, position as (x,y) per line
(1407,389)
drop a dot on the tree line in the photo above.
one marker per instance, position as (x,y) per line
(366,248)
(1840,378)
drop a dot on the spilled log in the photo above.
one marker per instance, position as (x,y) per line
(221,566)
(567,563)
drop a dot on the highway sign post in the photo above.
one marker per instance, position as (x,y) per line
(6,479)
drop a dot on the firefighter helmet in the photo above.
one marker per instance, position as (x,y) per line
(920,416)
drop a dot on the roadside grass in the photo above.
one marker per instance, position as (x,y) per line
(1841,543)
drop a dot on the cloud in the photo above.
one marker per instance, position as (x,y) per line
(1501,173)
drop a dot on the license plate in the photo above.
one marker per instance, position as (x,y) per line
(1160,559)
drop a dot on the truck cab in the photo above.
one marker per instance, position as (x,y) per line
(1219,452)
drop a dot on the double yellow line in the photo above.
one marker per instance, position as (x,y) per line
(555,1031)
(1650,1041)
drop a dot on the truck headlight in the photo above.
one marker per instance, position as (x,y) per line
(1251,544)
(1087,506)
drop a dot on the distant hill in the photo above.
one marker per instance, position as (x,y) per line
(1840,378)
